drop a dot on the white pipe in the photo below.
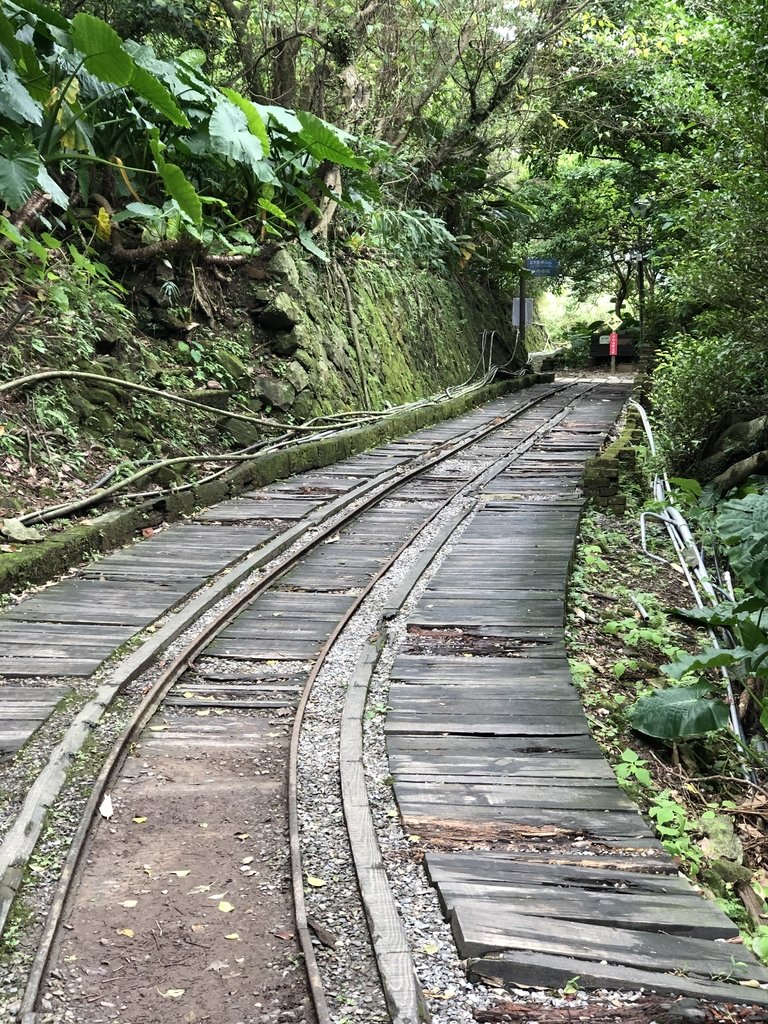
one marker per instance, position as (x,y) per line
(692,563)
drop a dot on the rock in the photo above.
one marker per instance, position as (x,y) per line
(217,398)
(140,431)
(102,398)
(297,375)
(280,314)
(283,266)
(15,530)
(243,432)
(102,421)
(279,393)
(285,344)
(234,367)
(304,406)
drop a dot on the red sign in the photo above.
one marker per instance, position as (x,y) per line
(613,344)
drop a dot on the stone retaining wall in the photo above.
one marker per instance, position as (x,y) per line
(605,474)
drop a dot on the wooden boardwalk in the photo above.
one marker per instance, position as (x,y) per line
(542,864)
(68,629)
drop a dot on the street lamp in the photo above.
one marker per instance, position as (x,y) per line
(639,210)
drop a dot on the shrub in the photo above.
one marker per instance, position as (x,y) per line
(698,380)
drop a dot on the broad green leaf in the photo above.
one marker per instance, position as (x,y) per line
(19,167)
(144,210)
(678,713)
(306,239)
(194,57)
(102,47)
(687,485)
(47,184)
(10,231)
(45,14)
(727,613)
(253,117)
(715,657)
(153,90)
(231,136)
(743,526)
(269,207)
(281,116)
(325,143)
(183,191)
(15,100)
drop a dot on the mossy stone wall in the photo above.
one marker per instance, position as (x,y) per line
(418,332)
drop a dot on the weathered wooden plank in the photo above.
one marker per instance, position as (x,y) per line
(479,929)
(621,825)
(480,866)
(674,914)
(542,969)
(593,797)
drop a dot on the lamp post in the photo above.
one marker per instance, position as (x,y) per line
(639,210)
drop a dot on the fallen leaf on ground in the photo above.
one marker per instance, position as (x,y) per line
(316,883)
(180,874)
(233,937)
(140,820)
(203,713)
(242,836)
(127,932)
(197,928)
(129,903)
(173,993)
(283,933)
(226,908)
(158,728)
(430,948)
(106,810)
(198,889)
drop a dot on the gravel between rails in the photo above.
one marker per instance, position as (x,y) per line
(350,975)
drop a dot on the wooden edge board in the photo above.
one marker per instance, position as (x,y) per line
(403,993)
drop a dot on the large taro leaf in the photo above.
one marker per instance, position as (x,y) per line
(678,713)
(19,168)
(713,657)
(15,101)
(325,143)
(231,135)
(280,117)
(178,186)
(102,48)
(255,121)
(153,90)
(182,190)
(743,526)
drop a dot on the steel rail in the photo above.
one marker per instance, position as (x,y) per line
(152,700)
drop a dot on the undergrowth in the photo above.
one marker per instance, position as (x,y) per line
(620,633)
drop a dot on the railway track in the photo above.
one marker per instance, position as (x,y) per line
(197,887)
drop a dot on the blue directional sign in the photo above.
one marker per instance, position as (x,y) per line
(543,267)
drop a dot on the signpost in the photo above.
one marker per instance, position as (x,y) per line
(613,349)
(537,267)
(542,267)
